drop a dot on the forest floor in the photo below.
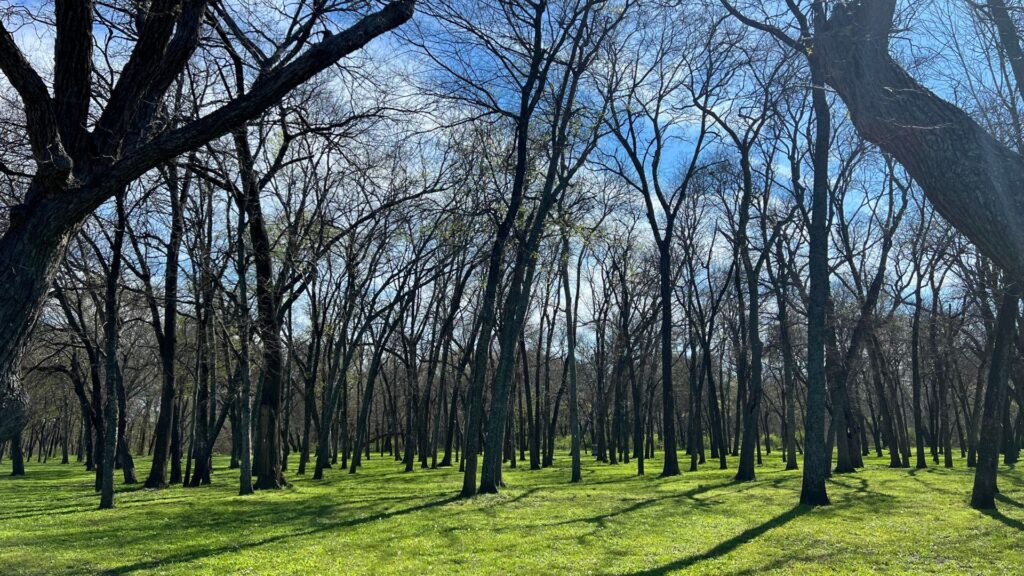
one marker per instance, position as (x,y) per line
(384,521)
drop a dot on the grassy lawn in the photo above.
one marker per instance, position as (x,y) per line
(383,521)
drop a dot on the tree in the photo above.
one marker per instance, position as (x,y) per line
(78,169)
(165,326)
(967,174)
(645,104)
(816,463)
(111,332)
(985,486)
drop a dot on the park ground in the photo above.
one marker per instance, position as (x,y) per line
(385,521)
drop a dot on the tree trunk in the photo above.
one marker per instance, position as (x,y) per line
(671,462)
(985,486)
(124,453)
(17,456)
(570,361)
(788,363)
(816,464)
(111,329)
(970,177)
(31,251)
(751,410)
(168,343)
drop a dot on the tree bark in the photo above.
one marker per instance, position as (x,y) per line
(816,464)
(111,329)
(985,486)
(972,179)
(17,456)
(670,466)
(788,362)
(570,361)
(167,337)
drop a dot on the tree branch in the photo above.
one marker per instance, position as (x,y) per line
(42,126)
(72,77)
(267,91)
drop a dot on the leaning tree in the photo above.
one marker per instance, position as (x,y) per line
(85,153)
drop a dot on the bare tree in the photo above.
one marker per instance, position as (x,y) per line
(77,169)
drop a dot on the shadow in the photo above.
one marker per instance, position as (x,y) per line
(1010,501)
(89,504)
(153,565)
(41,473)
(728,545)
(997,515)
(1013,479)
(601,519)
(861,487)
(692,493)
(928,472)
(41,513)
(586,483)
(781,563)
(526,494)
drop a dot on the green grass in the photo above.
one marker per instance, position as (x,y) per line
(383,521)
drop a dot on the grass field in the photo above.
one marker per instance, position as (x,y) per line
(384,521)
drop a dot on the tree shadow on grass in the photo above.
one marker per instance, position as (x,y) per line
(997,515)
(1014,479)
(692,494)
(805,557)
(727,546)
(861,489)
(89,504)
(601,519)
(1010,501)
(913,473)
(42,513)
(35,473)
(153,565)
(521,496)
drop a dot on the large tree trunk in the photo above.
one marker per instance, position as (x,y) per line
(267,457)
(244,400)
(915,375)
(751,409)
(788,362)
(30,252)
(309,407)
(17,457)
(204,395)
(168,342)
(124,453)
(482,349)
(570,361)
(175,476)
(972,179)
(514,313)
(816,463)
